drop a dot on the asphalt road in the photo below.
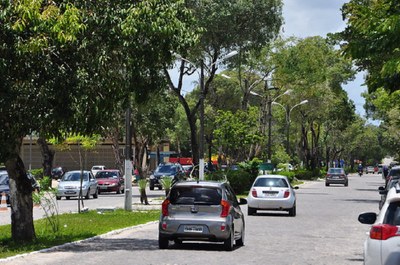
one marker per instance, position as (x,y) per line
(325,231)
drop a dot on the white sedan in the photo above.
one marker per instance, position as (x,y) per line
(382,246)
(272,193)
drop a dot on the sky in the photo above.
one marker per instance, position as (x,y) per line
(305,18)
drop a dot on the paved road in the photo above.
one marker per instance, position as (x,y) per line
(325,231)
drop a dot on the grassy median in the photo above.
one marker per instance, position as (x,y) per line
(73,227)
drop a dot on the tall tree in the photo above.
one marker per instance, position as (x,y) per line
(57,76)
(226,25)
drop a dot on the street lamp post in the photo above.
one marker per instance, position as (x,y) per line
(288,111)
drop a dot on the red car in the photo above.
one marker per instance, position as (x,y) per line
(110,180)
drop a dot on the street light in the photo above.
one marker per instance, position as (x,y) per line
(270,102)
(288,111)
(201,101)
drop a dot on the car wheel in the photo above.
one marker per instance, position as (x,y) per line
(87,194)
(163,242)
(240,241)
(251,211)
(159,187)
(346,184)
(58,198)
(326,184)
(151,186)
(96,194)
(292,211)
(228,243)
(67,198)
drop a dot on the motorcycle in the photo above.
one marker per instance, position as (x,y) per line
(360,173)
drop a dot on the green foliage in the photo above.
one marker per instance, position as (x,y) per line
(236,132)
(289,174)
(304,174)
(45,183)
(251,166)
(37,173)
(46,199)
(280,155)
(69,230)
(240,180)
(166,182)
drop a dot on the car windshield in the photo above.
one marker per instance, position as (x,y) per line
(336,171)
(166,169)
(4,180)
(106,175)
(271,182)
(75,176)
(195,195)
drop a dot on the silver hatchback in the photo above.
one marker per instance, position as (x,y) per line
(202,211)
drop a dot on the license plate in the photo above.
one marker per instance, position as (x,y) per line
(103,188)
(270,193)
(193,229)
(70,192)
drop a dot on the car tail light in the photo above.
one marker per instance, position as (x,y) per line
(383,231)
(225,208)
(254,193)
(223,227)
(286,194)
(164,207)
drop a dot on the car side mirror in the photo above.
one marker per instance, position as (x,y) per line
(383,192)
(367,218)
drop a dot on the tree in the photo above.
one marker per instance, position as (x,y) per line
(371,39)
(225,26)
(57,78)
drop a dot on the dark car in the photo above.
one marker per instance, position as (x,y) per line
(110,180)
(170,170)
(202,211)
(383,191)
(336,176)
(58,172)
(394,173)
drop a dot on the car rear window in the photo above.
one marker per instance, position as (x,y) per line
(336,171)
(271,182)
(76,176)
(195,195)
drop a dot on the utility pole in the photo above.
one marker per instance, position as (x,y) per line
(128,162)
(201,133)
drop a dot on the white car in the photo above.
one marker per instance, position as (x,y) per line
(70,185)
(97,168)
(271,193)
(382,246)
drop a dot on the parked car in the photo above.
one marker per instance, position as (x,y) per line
(370,169)
(380,168)
(336,176)
(394,173)
(5,185)
(170,170)
(70,185)
(382,246)
(202,211)
(271,192)
(97,168)
(58,172)
(383,191)
(110,180)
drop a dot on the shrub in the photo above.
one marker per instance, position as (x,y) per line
(289,174)
(37,173)
(240,180)
(307,174)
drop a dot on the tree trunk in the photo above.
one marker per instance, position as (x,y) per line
(48,156)
(143,197)
(22,229)
(114,135)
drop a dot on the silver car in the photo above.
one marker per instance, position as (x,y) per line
(272,192)
(70,184)
(202,211)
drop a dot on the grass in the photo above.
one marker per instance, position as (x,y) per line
(71,229)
